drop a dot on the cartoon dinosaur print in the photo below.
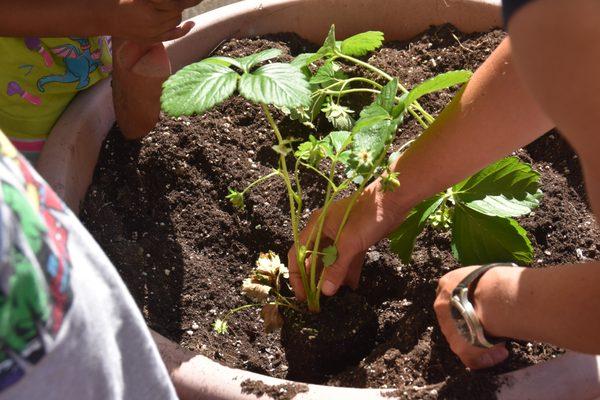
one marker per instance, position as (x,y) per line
(80,64)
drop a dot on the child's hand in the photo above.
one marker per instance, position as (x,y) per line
(148,20)
(139,71)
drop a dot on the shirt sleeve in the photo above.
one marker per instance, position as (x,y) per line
(509,7)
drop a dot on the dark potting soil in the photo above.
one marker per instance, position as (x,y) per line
(321,344)
(158,209)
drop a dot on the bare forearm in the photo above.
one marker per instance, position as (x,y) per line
(556,52)
(494,116)
(558,305)
(38,18)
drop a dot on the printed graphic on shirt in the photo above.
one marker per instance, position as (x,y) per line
(35,287)
(13,88)
(79,62)
(39,77)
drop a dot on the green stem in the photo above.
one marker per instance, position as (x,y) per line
(371,68)
(357,90)
(260,180)
(348,209)
(344,82)
(238,309)
(322,175)
(286,302)
(291,194)
(314,299)
(387,76)
(298,188)
(418,118)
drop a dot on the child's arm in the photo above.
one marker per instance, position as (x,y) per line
(139,71)
(154,20)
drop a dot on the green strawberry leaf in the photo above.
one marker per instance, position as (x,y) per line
(507,188)
(394,157)
(327,74)
(197,87)
(437,83)
(374,110)
(369,143)
(387,97)
(362,43)
(329,46)
(402,240)
(316,106)
(330,254)
(313,150)
(338,140)
(252,60)
(481,239)
(223,60)
(502,206)
(304,59)
(509,177)
(370,115)
(278,84)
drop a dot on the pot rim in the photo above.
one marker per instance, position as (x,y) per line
(71,152)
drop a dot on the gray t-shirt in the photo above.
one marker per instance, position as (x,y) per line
(68,327)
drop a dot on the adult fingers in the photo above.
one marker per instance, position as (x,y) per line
(336,274)
(478,358)
(176,32)
(127,52)
(471,356)
(154,63)
(354,270)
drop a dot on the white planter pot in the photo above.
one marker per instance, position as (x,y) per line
(70,156)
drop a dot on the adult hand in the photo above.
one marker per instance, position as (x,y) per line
(473,357)
(146,20)
(139,71)
(374,215)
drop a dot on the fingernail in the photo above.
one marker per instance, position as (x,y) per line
(329,288)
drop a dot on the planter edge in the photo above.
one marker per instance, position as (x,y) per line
(71,152)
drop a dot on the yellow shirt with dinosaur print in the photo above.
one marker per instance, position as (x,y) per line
(38,79)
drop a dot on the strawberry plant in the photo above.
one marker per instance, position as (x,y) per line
(359,143)
(480,212)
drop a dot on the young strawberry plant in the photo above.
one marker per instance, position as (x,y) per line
(480,212)
(359,143)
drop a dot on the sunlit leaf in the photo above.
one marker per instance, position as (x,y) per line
(279,84)
(362,43)
(252,60)
(198,87)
